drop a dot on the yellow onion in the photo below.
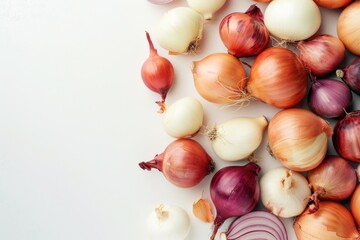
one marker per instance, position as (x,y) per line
(355,205)
(278,78)
(348,27)
(332,4)
(298,138)
(219,78)
(332,221)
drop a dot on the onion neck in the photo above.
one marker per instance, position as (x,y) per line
(161,213)
(287,181)
(340,73)
(153,51)
(155,163)
(219,220)
(255,13)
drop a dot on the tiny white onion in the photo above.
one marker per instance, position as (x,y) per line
(285,193)
(292,20)
(183,118)
(206,7)
(168,222)
(179,30)
(237,138)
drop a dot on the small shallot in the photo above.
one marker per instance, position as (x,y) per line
(184,163)
(351,75)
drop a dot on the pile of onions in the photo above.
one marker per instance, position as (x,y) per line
(244,34)
(183,118)
(256,225)
(321,54)
(351,75)
(278,78)
(237,138)
(355,205)
(292,20)
(219,78)
(284,193)
(157,73)
(206,7)
(234,191)
(329,98)
(180,30)
(332,221)
(348,27)
(332,4)
(334,179)
(346,136)
(184,163)
(298,138)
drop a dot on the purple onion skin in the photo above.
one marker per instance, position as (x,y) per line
(351,75)
(234,191)
(329,98)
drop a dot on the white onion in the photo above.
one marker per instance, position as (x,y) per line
(237,138)
(179,30)
(183,118)
(285,193)
(206,7)
(168,222)
(292,20)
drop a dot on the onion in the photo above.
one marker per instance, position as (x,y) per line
(348,27)
(244,34)
(334,179)
(168,222)
(263,224)
(346,138)
(180,30)
(183,118)
(278,78)
(157,73)
(321,54)
(184,163)
(234,191)
(237,138)
(329,98)
(298,138)
(206,7)
(284,193)
(219,78)
(331,222)
(351,75)
(292,20)
(355,205)
(332,3)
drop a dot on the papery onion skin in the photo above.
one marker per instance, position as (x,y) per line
(329,98)
(332,221)
(332,4)
(355,205)
(348,27)
(346,137)
(298,138)
(184,163)
(351,75)
(321,54)
(219,78)
(234,191)
(278,78)
(206,7)
(244,34)
(334,179)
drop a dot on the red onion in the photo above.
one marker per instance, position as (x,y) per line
(184,163)
(157,73)
(321,54)
(334,179)
(256,225)
(346,137)
(234,191)
(329,98)
(244,34)
(351,75)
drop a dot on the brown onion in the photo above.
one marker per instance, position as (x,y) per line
(244,34)
(348,27)
(346,138)
(332,221)
(184,163)
(278,78)
(355,205)
(332,3)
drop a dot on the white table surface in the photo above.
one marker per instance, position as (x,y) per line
(76,119)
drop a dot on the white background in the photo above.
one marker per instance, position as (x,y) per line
(76,119)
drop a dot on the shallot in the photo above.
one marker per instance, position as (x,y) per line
(351,75)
